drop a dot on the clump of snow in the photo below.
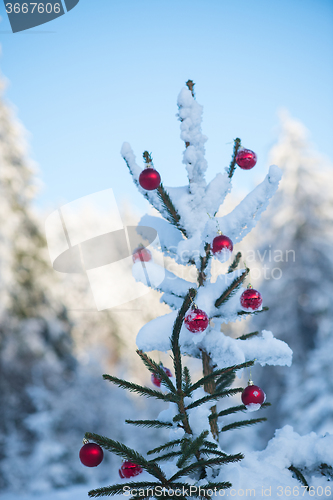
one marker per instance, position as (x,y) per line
(244,217)
(224,350)
(253,407)
(266,473)
(169,235)
(216,191)
(223,255)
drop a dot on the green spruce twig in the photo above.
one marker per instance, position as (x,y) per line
(234,264)
(203,264)
(127,453)
(299,475)
(167,456)
(172,214)
(218,373)
(177,362)
(166,446)
(225,381)
(192,449)
(156,368)
(244,313)
(233,409)
(237,143)
(206,463)
(248,335)
(157,424)
(187,380)
(232,288)
(139,389)
(242,423)
(118,489)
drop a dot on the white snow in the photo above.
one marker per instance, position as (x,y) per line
(245,216)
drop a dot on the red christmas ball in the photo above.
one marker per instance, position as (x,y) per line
(129,469)
(251,300)
(155,378)
(253,397)
(222,247)
(149,179)
(196,321)
(91,454)
(246,159)
(141,254)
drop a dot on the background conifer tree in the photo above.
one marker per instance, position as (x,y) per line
(297,232)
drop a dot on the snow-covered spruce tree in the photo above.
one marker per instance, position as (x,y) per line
(189,232)
(298,244)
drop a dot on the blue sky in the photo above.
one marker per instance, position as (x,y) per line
(110,71)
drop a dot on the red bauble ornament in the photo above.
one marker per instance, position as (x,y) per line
(91,454)
(253,397)
(141,254)
(129,469)
(155,378)
(246,159)
(222,247)
(196,320)
(149,179)
(251,300)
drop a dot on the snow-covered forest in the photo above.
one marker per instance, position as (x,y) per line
(53,349)
(53,353)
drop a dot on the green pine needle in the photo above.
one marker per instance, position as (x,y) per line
(209,444)
(118,489)
(170,444)
(192,449)
(179,417)
(207,463)
(208,451)
(247,336)
(242,423)
(187,379)
(298,475)
(235,263)
(237,144)
(167,456)
(218,373)
(225,381)
(231,290)
(127,453)
(139,389)
(156,368)
(149,423)
(244,313)
(172,215)
(175,337)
